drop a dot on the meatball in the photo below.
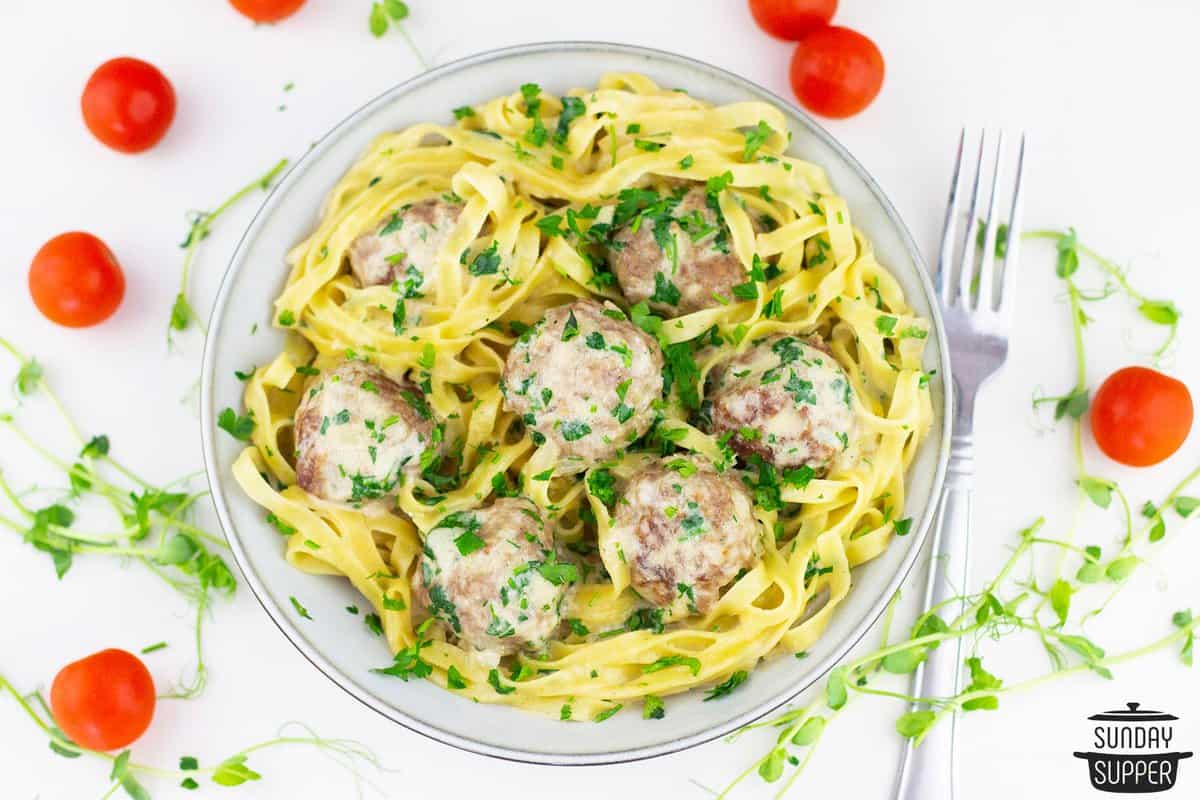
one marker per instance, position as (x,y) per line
(585,378)
(358,432)
(702,266)
(404,245)
(686,531)
(787,400)
(492,577)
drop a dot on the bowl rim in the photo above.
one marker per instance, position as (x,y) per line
(395,714)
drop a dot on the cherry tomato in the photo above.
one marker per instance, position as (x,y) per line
(791,19)
(128,104)
(75,280)
(104,701)
(836,72)
(1140,417)
(267,10)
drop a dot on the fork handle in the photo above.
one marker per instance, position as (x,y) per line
(930,772)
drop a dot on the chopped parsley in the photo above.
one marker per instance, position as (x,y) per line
(573,430)
(665,291)
(666,662)
(726,687)
(239,427)
(487,262)
(571,328)
(572,109)
(756,137)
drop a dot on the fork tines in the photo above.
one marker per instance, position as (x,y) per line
(971,281)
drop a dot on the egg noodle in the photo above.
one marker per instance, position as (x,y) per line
(593,144)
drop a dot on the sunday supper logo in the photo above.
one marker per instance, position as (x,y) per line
(1133,751)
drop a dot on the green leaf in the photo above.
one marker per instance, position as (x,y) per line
(468,543)
(1068,256)
(96,446)
(989,702)
(809,732)
(574,430)
(1186,506)
(1158,528)
(644,318)
(378,21)
(572,109)
(1098,491)
(771,768)
(722,689)
(1181,619)
(300,609)
(29,377)
(134,789)
(930,624)
(1060,599)
(608,712)
(120,766)
(455,679)
(396,9)
(558,573)
(835,689)
(239,427)
(991,607)
(903,662)
(665,291)
(1121,568)
(1001,237)
(181,313)
(1074,404)
(691,662)
(179,549)
(602,485)
(234,772)
(652,707)
(885,324)
(682,373)
(981,679)
(914,724)
(1089,573)
(487,262)
(1160,312)
(1083,646)
(774,306)
(756,137)
(64,751)
(550,225)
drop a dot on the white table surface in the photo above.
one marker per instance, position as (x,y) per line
(1106,98)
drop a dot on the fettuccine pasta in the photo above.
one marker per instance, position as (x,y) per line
(532,203)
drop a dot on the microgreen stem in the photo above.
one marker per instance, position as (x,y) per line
(416,51)
(183,312)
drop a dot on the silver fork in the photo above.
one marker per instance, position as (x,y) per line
(976,301)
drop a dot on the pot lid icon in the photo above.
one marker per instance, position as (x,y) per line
(1134,713)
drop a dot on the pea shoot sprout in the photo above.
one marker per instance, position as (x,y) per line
(1014,602)
(391,14)
(183,314)
(152,523)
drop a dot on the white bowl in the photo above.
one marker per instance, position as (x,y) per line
(340,645)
